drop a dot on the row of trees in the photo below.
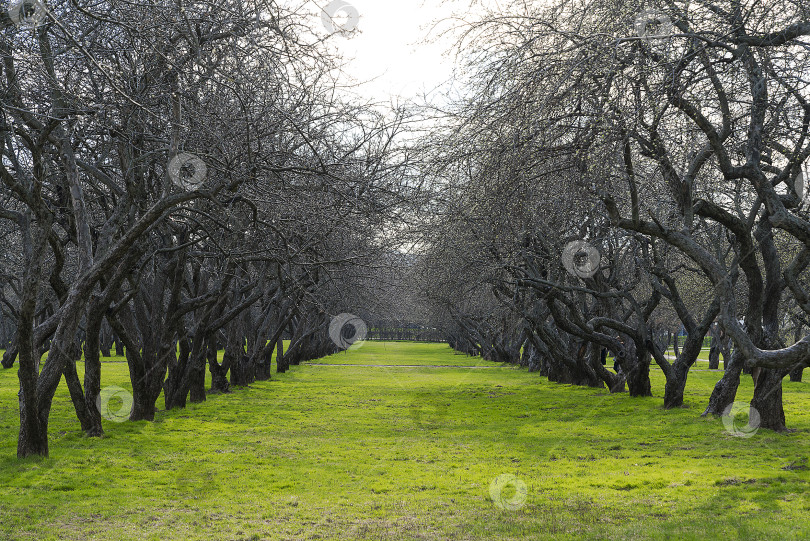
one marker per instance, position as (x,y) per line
(621,171)
(177,179)
(181,179)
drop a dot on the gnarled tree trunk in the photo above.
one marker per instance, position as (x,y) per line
(768,399)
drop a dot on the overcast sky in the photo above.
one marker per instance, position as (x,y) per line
(388,49)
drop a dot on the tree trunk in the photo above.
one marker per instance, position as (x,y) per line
(714,353)
(615,383)
(725,390)
(768,383)
(588,362)
(767,399)
(725,349)
(534,361)
(525,353)
(33,435)
(143,407)
(105,339)
(196,371)
(678,373)
(638,380)
(242,372)
(636,369)
(10,354)
(219,373)
(264,368)
(796,372)
(281,361)
(76,392)
(174,391)
(675,385)
(92,375)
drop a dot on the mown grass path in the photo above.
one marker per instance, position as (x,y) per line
(396,452)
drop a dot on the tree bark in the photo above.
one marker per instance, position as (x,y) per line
(638,379)
(76,392)
(175,390)
(281,360)
(143,408)
(725,391)
(714,353)
(196,371)
(675,385)
(636,369)
(33,435)
(768,399)
(219,372)
(10,354)
(92,374)
(105,339)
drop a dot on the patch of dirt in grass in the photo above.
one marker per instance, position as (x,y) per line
(800,464)
(731,481)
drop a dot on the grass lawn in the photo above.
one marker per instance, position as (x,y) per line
(356,452)
(702,356)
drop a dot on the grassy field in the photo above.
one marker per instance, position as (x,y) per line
(381,452)
(702,356)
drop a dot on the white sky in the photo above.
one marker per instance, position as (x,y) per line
(388,50)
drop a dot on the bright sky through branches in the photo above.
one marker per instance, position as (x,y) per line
(388,52)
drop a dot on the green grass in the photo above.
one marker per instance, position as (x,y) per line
(403,353)
(702,356)
(336,452)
